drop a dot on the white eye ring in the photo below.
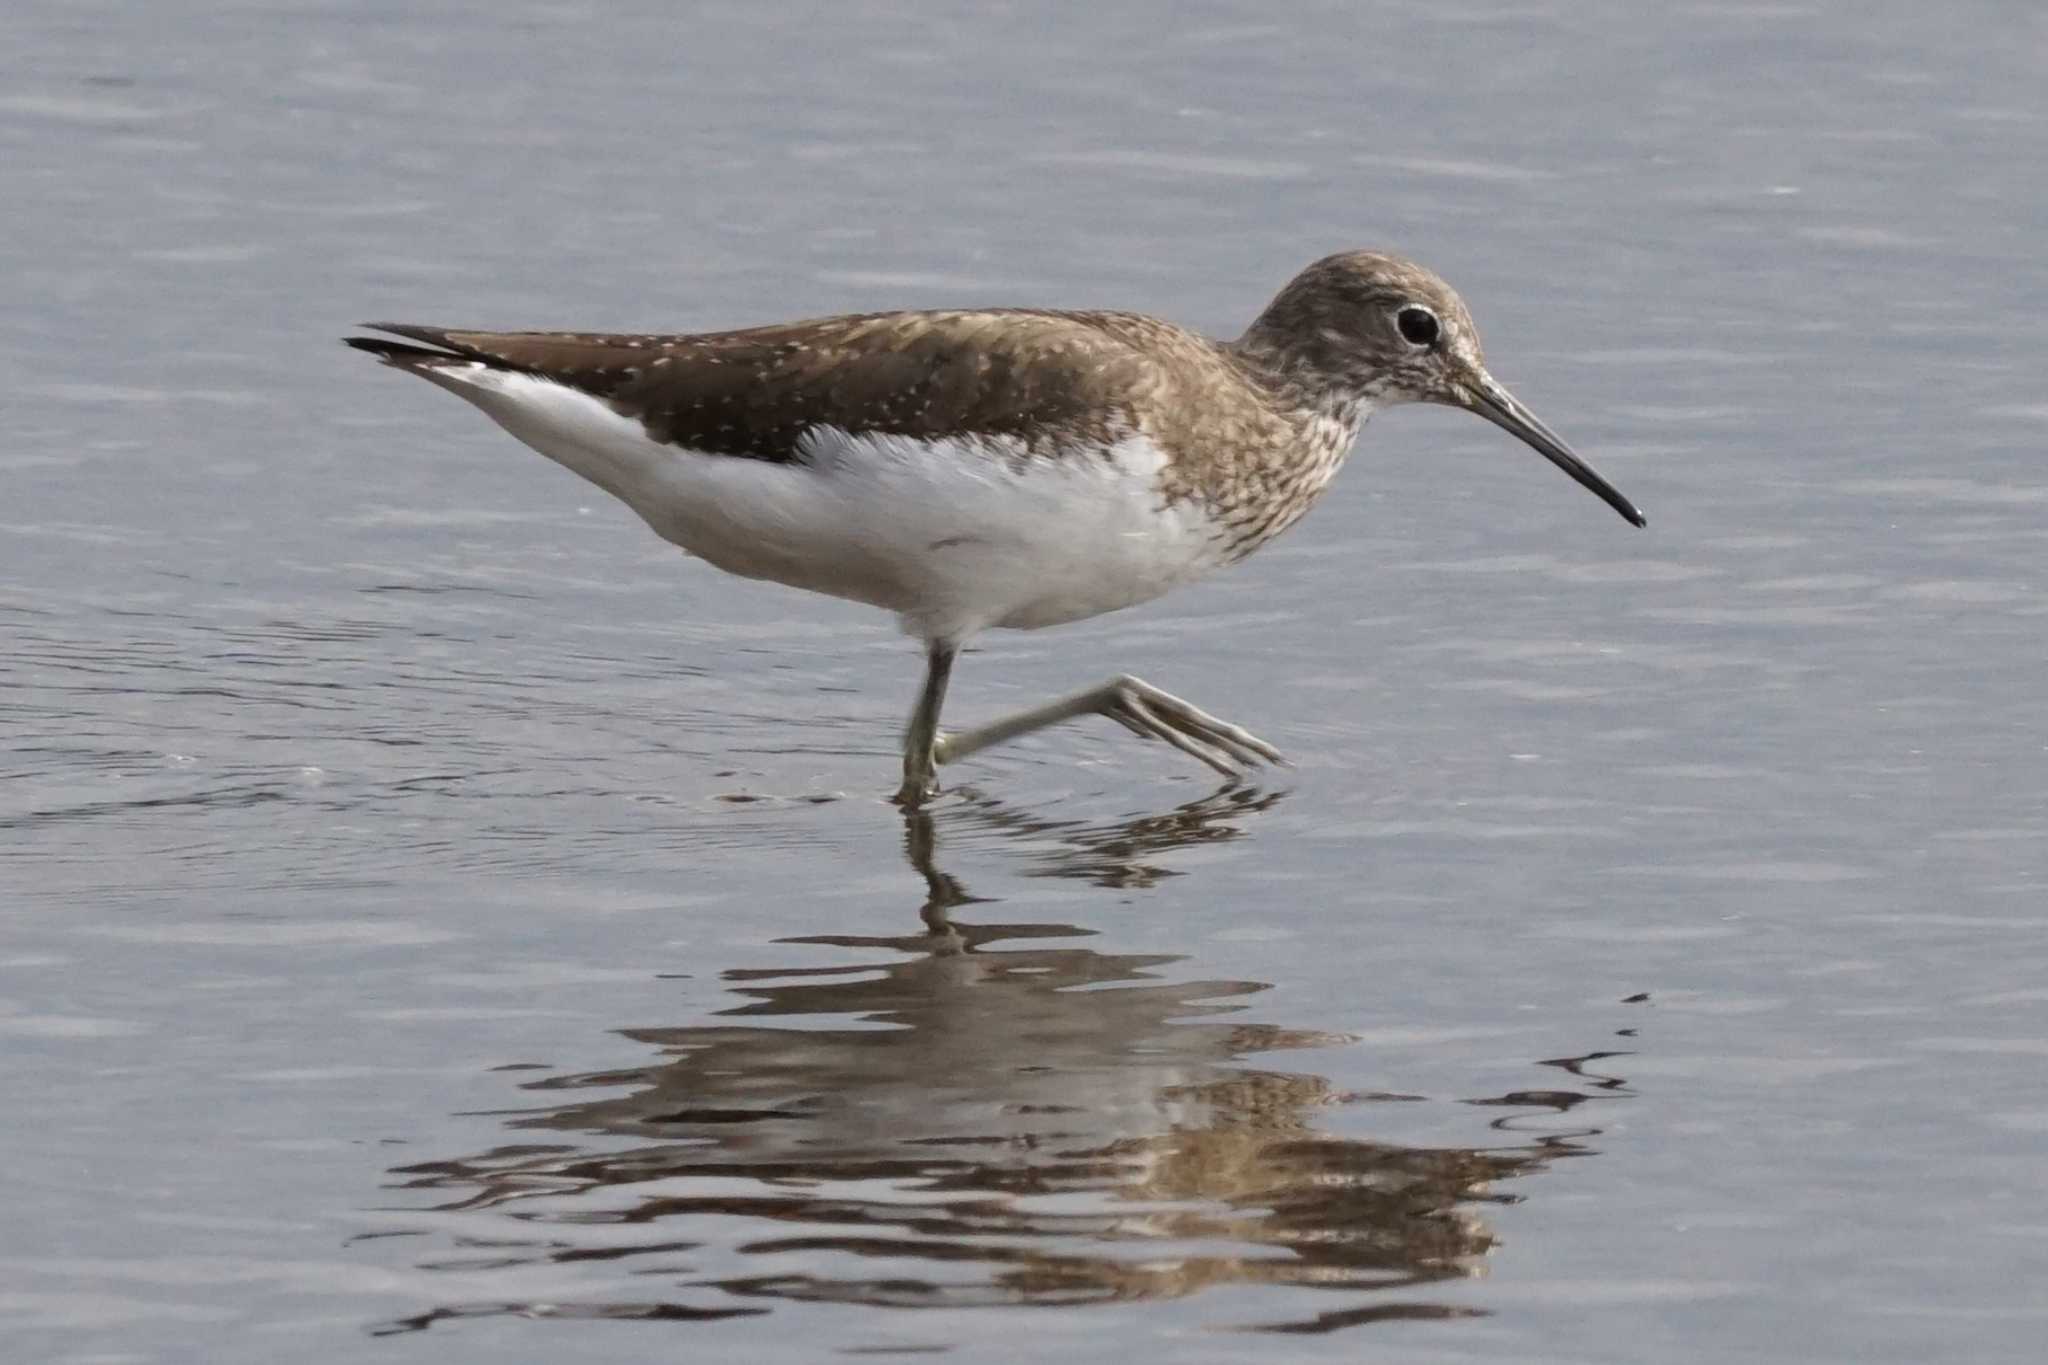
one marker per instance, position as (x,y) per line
(1418,326)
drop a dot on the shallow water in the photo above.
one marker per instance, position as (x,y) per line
(445,922)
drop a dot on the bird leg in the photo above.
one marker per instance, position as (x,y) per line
(921,741)
(1131,702)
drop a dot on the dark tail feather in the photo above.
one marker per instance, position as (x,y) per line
(407,356)
(397,352)
(433,336)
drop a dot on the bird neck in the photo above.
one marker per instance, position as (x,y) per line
(1295,435)
(1304,386)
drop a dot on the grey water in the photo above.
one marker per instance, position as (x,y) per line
(440,922)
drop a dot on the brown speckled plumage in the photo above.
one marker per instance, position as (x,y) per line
(1034,376)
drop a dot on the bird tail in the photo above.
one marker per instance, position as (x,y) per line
(440,350)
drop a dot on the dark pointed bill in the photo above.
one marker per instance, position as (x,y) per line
(1505,411)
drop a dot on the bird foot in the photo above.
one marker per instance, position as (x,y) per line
(1150,713)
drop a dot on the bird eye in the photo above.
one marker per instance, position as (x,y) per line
(1418,326)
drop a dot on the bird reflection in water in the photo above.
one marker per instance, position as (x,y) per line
(997,1116)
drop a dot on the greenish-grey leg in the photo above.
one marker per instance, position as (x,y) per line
(921,741)
(1136,705)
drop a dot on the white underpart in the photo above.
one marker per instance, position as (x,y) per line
(953,535)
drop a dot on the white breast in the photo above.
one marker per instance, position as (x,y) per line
(954,535)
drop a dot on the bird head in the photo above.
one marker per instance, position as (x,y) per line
(1368,329)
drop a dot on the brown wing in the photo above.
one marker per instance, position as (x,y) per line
(1035,376)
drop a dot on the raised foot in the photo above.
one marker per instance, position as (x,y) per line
(1150,713)
(1131,702)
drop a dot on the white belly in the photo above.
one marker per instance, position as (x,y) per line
(953,535)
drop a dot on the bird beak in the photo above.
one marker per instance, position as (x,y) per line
(1486,397)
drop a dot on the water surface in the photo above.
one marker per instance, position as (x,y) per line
(445,923)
